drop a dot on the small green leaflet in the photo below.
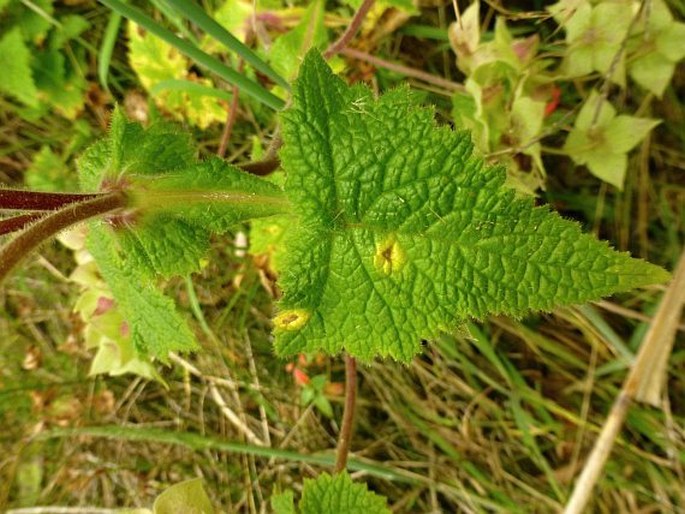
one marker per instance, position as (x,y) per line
(403,233)
(331,494)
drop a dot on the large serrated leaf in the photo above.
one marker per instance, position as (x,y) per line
(403,233)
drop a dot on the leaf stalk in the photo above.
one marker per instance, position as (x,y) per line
(51,224)
(345,437)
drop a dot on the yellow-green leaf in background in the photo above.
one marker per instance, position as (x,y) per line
(155,62)
(657,48)
(188,497)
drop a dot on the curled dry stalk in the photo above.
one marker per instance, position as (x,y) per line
(346,428)
(644,383)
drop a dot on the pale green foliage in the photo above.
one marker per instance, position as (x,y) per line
(48,172)
(603,143)
(187,497)
(503,102)
(15,62)
(331,494)
(266,234)
(658,45)
(234,16)
(404,234)
(156,62)
(105,329)
(33,23)
(594,35)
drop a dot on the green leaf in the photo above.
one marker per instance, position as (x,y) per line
(128,148)
(403,234)
(338,494)
(15,63)
(155,325)
(60,86)
(72,26)
(188,497)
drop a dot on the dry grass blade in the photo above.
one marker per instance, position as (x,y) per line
(643,383)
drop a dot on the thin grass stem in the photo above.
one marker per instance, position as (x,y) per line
(199,17)
(200,57)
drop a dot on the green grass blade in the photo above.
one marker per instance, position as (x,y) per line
(199,17)
(211,63)
(107,47)
(176,20)
(199,442)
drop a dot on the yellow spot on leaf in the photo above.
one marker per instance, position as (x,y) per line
(293,319)
(389,258)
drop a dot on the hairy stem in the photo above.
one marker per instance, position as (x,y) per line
(51,224)
(343,450)
(9,225)
(22,200)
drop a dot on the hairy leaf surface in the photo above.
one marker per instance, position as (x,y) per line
(332,494)
(403,233)
(155,325)
(175,203)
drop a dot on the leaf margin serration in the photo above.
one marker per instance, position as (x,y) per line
(319,98)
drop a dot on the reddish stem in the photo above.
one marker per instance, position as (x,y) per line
(345,436)
(351,30)
(51,224)
(19,199)
(9,225)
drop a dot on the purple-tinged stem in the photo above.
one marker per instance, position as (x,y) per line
(22,200)
(9,225)
(51,224)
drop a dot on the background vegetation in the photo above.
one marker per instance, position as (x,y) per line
(500,420)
